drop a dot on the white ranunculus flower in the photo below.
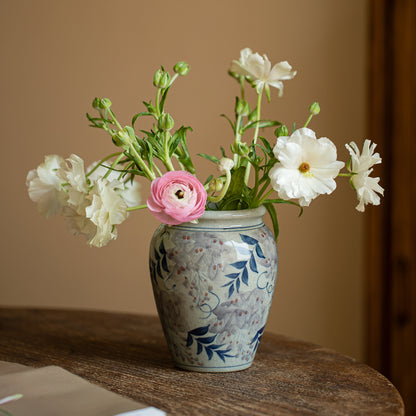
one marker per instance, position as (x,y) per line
(130,191)
(361,166)
(259,70)
(45,186)
(306,166)
(107,209)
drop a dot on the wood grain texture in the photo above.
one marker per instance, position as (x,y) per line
(392,232)
(127,354)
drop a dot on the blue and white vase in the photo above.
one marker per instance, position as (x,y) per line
(213,284)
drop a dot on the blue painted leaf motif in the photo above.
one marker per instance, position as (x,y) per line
(239,264)
(189,340)
(253,265)
(259,251)
(232,275)
(209,353)
(207,340)
(230,291)
(249,240)
(228,284)
(257,337)
(237,285)
(202,330)
(199,349)
(244,276)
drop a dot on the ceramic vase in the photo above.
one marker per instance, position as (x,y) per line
(213,284)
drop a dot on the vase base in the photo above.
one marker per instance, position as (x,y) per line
(219,369)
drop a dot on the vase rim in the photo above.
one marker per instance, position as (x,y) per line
(234,214)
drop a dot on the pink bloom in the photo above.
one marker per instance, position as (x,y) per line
(177,197)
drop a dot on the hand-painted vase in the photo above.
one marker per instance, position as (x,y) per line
(213,284)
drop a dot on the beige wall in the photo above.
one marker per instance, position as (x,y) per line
(56,56)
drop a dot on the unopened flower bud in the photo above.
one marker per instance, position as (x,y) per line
(122,138)
(314,109)
(165,122)
(243,149)
(96,103)
(215,185)
(181,68)
(101,103)
(161,79)
(242,108)
(281,131)
(157,78)
(225,165)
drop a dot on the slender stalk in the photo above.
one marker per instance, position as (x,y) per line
(265,197)
(114,164)
(256,134)
(136,208)
(223,190)
(101,162)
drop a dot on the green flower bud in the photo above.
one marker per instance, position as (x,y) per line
(105,103)
(215,185)
(243,149)
(161,79)
(122,139)
(242,108)
(281,131)
(165,122)
(157,78)
(181,68)
(314,109)
(96,103)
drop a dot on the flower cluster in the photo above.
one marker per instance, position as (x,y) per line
(93,203)
(296,166)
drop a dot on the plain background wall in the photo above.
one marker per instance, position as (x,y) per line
(56,56)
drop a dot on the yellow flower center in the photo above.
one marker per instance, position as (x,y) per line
(180,194)
(304,167)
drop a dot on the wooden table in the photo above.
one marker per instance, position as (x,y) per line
(127,354)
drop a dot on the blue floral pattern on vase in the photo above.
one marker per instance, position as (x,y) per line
(213,284)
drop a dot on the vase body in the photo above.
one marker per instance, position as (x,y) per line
(213,284)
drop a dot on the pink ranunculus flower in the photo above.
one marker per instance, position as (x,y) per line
(177,197)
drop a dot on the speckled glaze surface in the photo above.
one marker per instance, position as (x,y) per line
(213,284)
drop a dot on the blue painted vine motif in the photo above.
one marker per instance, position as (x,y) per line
(206,343)
(242,275)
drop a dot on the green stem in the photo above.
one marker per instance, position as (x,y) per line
(136,208)
(149,174)
(308,120)
(237,141)
(265,197)
(347,175)
(256,134)
(114,164)
(101,162)
(157,102)
(167,161)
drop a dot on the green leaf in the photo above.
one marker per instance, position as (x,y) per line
(231,123)
(143,113)
(284,201)
(208,179)
(272,212)
(174,144)
(261,124)
(209,157)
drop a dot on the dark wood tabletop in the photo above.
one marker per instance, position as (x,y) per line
(127,354)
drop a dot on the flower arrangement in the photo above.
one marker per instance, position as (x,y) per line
(295,165)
